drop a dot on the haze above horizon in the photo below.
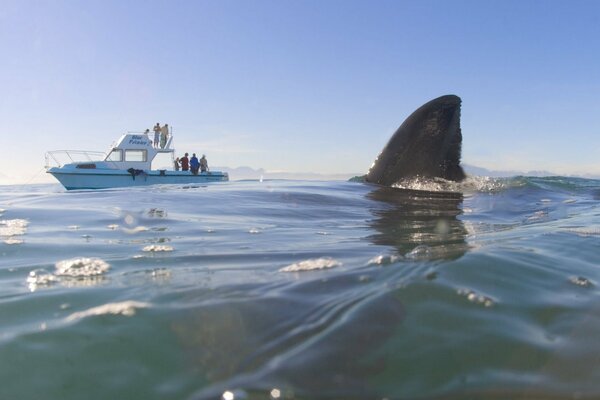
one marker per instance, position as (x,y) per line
(301,86)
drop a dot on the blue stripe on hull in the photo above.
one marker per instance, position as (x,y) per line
(94,179)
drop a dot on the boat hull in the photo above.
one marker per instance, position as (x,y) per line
(104,179)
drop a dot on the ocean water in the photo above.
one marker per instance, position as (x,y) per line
(302,290)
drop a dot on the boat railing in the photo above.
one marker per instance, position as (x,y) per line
(61,157)
(150,136)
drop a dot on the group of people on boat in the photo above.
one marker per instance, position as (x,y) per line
(161,135)
(191,164)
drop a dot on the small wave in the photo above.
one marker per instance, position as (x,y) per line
(312,264)
(585,231)
(12,240)
(125,308)
(137,229)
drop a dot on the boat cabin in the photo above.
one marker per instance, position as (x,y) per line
(135,151)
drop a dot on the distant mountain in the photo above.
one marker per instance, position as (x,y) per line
(242,173)
(478,171)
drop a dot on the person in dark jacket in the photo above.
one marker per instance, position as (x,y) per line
(185,163)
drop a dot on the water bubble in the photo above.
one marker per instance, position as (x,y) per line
(581,281)
(81,267)
(13,227)
(157,248)
(383,260)
(312,264)
(234,395)
(476,298)
(40,278)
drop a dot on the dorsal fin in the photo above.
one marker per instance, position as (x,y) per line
(427,144)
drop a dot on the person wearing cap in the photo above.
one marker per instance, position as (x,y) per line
(185,163)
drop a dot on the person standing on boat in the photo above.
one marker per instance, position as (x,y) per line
(185,166)
(164,134)
(176,164)
(156,134)
(203,164)
(194,164)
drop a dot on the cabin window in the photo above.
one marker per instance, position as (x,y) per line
(136,155)
(115,155)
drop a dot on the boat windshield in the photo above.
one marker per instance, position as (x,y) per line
(115,155)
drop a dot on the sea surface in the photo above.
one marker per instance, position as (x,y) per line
(487,289)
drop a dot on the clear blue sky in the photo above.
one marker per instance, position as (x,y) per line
(301,85)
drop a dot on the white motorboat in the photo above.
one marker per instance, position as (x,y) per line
(127,163)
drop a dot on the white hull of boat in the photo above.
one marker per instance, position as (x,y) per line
(111,178)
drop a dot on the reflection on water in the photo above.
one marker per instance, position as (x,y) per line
(333,325)
(419,223)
